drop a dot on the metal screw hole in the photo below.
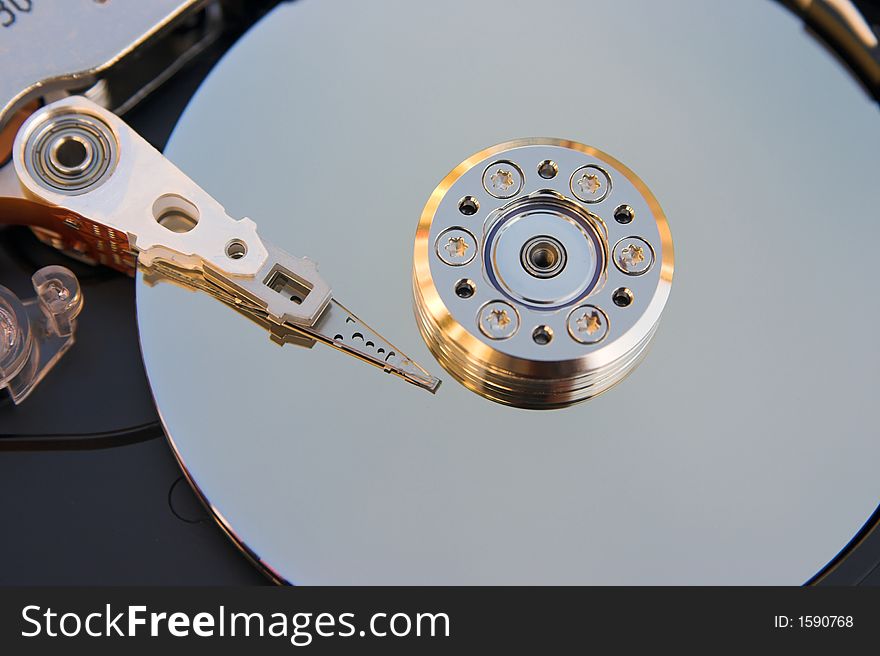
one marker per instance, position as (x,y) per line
(624,214)
(548,169)
(236,249)
(622,297)
(469,206)
(465,288)
(542,335)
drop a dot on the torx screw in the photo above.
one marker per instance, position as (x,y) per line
(456,247)
(498,320)
(587,324)
(633,256)
(590,184)
(503,179)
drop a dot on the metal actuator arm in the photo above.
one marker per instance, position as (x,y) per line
(123,197)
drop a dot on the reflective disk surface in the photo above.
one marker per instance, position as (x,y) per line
(742,450)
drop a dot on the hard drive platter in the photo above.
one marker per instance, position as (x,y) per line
(736,445)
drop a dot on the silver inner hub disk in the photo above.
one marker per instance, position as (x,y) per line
(544,253)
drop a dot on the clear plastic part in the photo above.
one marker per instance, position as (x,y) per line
(35,333)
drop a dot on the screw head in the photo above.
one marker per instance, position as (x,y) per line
(503,179)
(456,247)
(590,184)
(587,324)
(633,256)
(498,320)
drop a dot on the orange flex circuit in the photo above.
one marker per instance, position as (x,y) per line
(69,232)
